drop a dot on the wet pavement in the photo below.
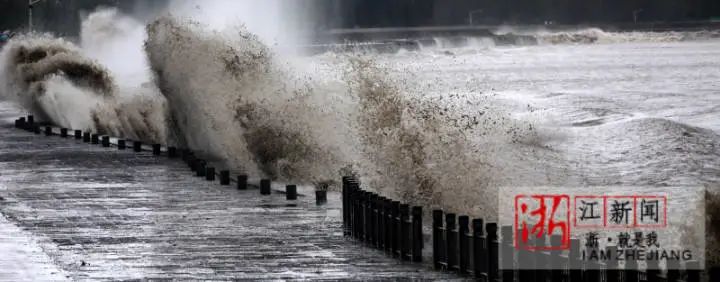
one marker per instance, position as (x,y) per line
(71,210)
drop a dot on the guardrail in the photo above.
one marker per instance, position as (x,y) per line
(199,166)
(396,228)
(472,248)
(382,223)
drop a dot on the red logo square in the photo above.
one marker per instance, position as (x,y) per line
(538,217)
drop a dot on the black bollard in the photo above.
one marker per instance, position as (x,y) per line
(95,139)
(210,174)
(137,146)
(713,273)
(369,218)
(172,152)
(320,197)
(265,187)
(63,132)
(224,177)
(78,134)
(437,230)
(365,217)
(86,137)
(508,252)
(378,222)
(106,141)
(612,273)
(242,182)
(693,271)
(346,211)
(652,272)
(539,260)
(417,235)
(48,131)
(36,128)
(480,251)
(575,263)
(291,192)
(29,123)
(631,273)
(451,246)
(121,144)
(24,124)
(156,149)
(185,155)
(464,243)
(556,260)
(493,249)
(673,270)
(405,235)
(381,228)
(21,124)
(394,228)
(192,162)
(200,168)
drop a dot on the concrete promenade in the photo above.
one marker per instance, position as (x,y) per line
(75,211)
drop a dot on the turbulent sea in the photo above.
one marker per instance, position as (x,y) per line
(443,126)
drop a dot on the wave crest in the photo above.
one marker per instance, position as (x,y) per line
(238,103)
(53,79)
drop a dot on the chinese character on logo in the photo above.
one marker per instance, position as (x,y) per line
(538,217)
(651,211)
(589,211)
(620,212)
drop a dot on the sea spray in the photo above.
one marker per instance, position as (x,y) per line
(230,98)
(242,103)
(54,80)
(439,152)
(141,109)
(46,74)
(116,41)
(278,23)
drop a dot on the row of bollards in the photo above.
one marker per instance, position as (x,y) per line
(480,252)
(198,166)
(452,241)
(460,245)
(201,169)
(382,223)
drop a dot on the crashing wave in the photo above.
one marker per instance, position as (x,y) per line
(55,80)
(237,102)
(251,108)
(229,97)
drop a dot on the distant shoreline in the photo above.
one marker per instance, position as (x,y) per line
(388,33)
